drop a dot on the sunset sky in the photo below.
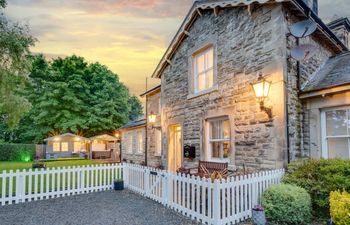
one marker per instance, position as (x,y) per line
(129,36)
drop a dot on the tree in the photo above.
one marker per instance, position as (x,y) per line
(15,41)
(136,109)
(71,95)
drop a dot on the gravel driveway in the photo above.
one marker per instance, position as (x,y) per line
(102,208)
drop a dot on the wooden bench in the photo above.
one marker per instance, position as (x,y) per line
(205,168)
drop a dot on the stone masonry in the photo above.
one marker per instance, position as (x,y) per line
(245,44)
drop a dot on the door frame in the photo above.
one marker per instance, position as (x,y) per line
(169,142)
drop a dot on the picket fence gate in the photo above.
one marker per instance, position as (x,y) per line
(220,202)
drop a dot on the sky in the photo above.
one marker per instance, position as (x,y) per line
(129,36)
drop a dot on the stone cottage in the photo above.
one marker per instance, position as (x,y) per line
(208,108)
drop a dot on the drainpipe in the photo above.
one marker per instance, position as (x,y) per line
(146,133)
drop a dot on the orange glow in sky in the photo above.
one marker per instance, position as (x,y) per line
(129,37)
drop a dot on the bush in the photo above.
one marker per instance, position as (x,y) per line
(17,152)
(340,207)
(319,178)
(287,204)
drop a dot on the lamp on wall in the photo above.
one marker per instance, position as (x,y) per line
(152,120)
(261,89)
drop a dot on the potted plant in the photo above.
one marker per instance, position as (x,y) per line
(258,215)
(118,184)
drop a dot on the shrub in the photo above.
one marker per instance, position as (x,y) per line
(17,152)
(287,204)
(319,178)
(340,207)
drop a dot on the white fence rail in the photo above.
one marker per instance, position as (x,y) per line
(32,185)
(218,203)
(221,202)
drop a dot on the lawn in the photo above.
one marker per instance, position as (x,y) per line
(28,165)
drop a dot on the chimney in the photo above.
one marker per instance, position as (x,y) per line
(341,28)
(313,5)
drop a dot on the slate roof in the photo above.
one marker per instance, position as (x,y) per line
(135,123)
(335,72)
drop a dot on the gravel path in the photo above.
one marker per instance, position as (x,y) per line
(103,208)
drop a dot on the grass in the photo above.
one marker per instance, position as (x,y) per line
(28,165)
(7,166)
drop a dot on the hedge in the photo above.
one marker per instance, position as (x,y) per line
(340,207)
(320,178)
(17,152)
(287,204)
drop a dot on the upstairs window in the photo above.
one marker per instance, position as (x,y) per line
(203,69)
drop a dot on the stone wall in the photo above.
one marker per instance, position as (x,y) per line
(245,44)
(153,101)
(134,156)
(297,76)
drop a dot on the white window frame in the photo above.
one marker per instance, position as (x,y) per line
(129,147)
(206,71)
(158,142)
(209,141)
(58,144)
(324,137)
(76,144)
(65,143)
(140,142)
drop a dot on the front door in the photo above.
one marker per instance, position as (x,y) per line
(175,148)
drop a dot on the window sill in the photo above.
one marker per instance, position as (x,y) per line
(205,92)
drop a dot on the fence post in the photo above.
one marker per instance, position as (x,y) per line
(216,203)
(125,174)
(146,178)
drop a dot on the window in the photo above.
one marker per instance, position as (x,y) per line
(77,146)
(158,143)
(203,69)
(139,142)
(129,142)
(336,133)
(56,146)
(64,146)
(219,139)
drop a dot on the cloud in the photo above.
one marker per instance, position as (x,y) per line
(139,8)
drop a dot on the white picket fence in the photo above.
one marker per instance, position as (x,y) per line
(32,185)
(220,202)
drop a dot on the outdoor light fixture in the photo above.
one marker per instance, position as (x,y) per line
(261,89)
(116,134)
(152,118)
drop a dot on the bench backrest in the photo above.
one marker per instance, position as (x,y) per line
(211,166)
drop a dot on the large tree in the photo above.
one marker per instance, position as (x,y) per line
(71,95)
(15,42)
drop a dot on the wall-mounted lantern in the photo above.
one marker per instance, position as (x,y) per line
(152,118)
(261,89)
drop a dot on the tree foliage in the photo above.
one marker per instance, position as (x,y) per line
(15,42)
(71,95)
(135,108)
